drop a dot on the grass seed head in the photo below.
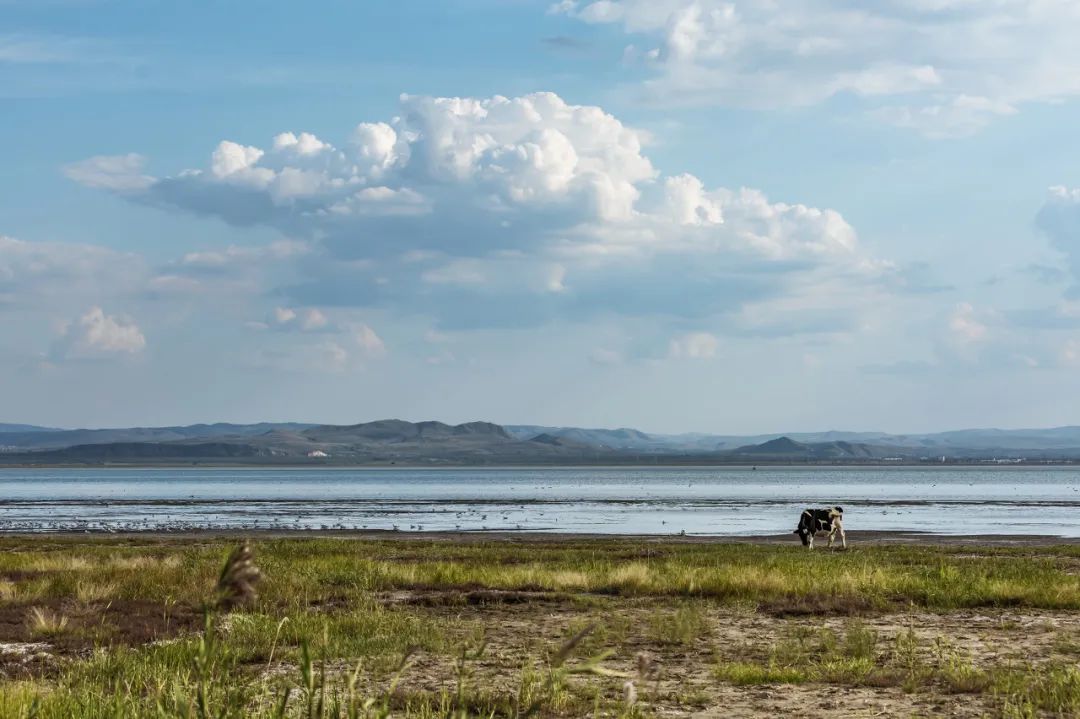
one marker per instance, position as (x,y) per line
(236,586)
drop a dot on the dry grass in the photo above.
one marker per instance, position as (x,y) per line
(45,622)
(90,591)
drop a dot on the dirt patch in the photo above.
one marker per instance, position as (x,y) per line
(85,626)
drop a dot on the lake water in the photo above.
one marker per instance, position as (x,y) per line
(727,501)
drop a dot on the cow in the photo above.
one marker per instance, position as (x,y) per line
(828,520)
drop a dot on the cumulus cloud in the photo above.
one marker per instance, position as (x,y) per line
(506,212)
(96,335)
(944,68)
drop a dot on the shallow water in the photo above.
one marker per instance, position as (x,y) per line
(729,501)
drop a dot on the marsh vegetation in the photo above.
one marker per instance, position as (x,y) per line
(136,626)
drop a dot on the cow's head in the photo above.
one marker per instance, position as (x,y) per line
(804,535)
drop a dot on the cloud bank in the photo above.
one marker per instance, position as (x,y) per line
(941,67)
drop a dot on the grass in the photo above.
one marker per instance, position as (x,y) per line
(306,570)
(343,628)
(685,625)
(856,657)
(45,623)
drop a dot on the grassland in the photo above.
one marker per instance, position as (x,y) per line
(129,627)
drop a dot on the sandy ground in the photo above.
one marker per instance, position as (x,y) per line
(682,681)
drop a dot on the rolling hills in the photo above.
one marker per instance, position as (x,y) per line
(430,443)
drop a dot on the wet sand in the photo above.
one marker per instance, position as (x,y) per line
(855,538)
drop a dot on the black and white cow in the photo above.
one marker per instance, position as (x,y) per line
(813,521)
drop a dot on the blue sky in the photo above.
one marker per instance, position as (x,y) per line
(679,215)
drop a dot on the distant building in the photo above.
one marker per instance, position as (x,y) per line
(317,453)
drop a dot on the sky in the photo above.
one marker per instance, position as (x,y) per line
(675,215)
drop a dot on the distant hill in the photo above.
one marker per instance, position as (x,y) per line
(785,448)
(396,430)
(392,441)
(381,442)
(44,438)
(5,428)
(623,438)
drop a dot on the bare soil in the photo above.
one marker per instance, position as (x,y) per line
(88,625)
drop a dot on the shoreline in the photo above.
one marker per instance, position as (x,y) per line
(1064,464)
(855,538)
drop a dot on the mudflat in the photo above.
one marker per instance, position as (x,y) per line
(511,624)
(861,537)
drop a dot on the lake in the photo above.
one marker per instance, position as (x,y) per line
(727,501)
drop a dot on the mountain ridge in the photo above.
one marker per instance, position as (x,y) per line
(432,442)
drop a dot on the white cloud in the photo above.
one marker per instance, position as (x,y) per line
(314,320)
(344,349)
(120,173)
(1059,218)
(231,160)
(36,274)
(96,334)
(370,344)
(965,327)
(507,211)
(309,319)
(238,258)
(695,345)
(943,68)
(497,157)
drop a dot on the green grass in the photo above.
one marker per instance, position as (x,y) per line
(302,572)
(322,639)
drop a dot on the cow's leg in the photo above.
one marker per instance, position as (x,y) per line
(843,537)
(810,540)
(832,533)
